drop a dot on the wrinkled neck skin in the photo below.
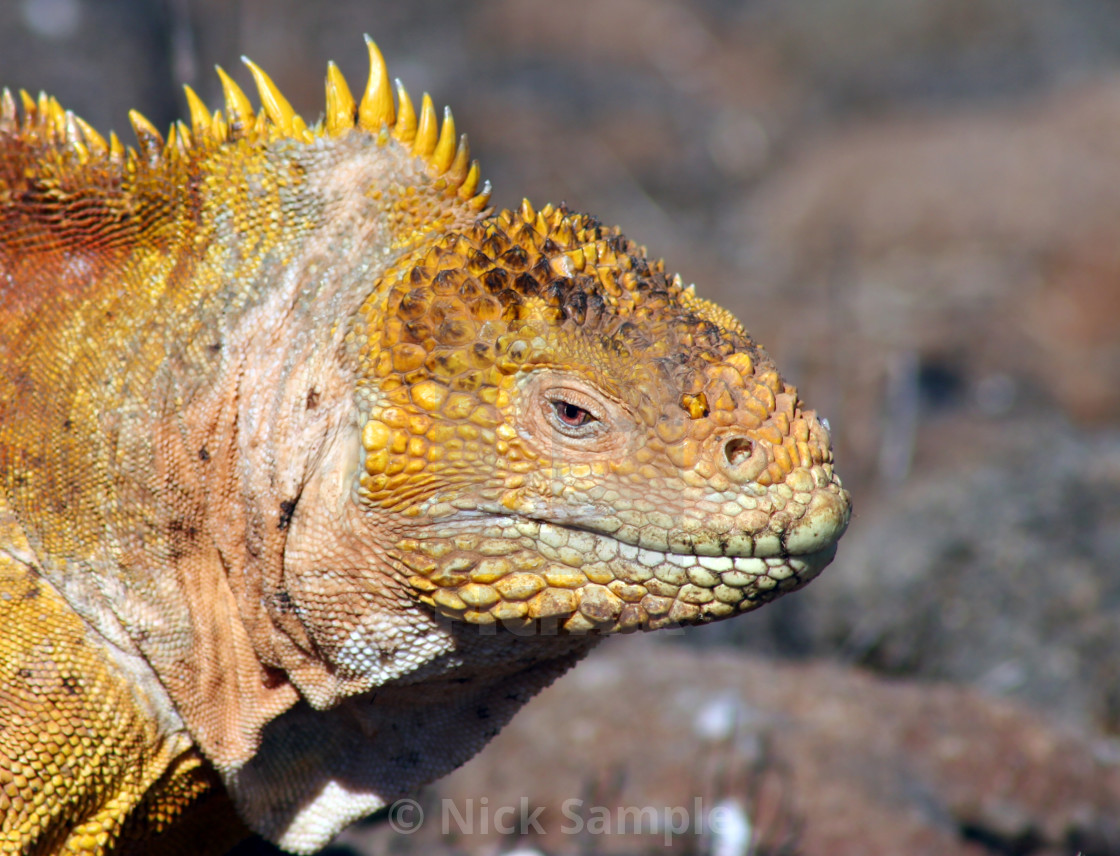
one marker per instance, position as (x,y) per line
(212,380)
(405,696)
(389,702)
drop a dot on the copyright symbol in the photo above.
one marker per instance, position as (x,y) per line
(405,816)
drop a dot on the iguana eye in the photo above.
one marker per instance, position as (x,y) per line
(571,414)
(570,418)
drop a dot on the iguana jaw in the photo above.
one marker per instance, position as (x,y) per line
(591,582)
(559,570)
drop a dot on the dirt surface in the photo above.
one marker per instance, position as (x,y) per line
(915,206)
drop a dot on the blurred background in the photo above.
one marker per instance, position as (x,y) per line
(915,206)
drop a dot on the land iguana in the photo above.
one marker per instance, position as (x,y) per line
(313,468)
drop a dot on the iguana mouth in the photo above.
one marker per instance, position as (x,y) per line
(570,577)
(788,527)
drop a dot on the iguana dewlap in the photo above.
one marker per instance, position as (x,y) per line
(313,469)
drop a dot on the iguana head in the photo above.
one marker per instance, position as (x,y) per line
(571,437)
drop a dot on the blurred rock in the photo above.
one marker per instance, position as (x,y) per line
(964,261)
(102,59)
(864,55)
(820,760)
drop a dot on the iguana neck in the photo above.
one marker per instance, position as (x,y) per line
(203,300)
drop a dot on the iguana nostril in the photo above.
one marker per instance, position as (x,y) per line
(737,450)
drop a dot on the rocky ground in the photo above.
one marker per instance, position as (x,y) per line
(823,760)
(915,206)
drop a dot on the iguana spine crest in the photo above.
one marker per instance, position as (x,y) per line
(447,157)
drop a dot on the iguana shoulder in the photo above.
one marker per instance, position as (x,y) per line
(84,758)
(313,469)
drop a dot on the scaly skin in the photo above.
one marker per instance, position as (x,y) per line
(313,470)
